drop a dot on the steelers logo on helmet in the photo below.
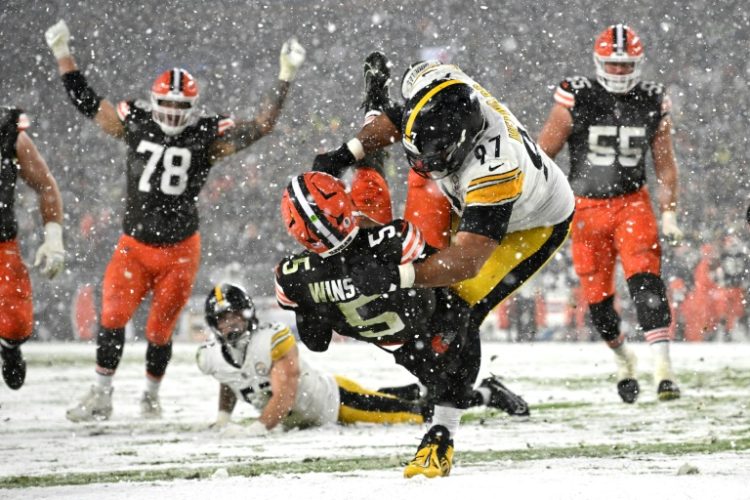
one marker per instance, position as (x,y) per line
(317,212)
(173,97)
(440,126)
(225,299)
(618,48)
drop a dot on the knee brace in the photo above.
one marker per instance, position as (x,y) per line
(650,297)
(109,346)
(157,359)
(605,319)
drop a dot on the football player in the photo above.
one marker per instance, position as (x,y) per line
(20,158)
(171,149)
(513,204)
(430,330)
(261,364)
(609,124)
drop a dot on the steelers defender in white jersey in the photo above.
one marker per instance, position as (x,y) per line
(260,364)
(513,203)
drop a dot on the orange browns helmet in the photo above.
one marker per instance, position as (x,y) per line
(173,97)
(318,213)
(618,44)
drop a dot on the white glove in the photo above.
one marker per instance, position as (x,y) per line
(222,419)
(57,37)
(291,58)
(669,227)
(51,253)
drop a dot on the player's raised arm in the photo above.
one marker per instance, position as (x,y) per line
(246,132)
(84,98)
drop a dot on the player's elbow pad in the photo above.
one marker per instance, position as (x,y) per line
(83,97)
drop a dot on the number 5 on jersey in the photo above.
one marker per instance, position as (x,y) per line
(176,162)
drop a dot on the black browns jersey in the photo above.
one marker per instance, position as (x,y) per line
(165,173)
(324,299)
(12,122)
(611,134)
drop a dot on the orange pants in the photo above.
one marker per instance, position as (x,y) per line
(137,268)
(605,228)
(16,308)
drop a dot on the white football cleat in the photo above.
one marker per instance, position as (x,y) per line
(150,405)
(95,405)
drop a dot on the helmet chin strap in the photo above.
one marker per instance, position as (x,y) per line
(238,348)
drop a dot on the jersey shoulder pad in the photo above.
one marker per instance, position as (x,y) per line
(412,241)
(13,119)
(282,340)
(570,89)
(655,93)
(286,282)
(493,183)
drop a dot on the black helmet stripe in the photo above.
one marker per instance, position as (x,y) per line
(300,196)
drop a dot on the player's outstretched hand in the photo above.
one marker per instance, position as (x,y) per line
(670,229)
(58,39)
(291,58)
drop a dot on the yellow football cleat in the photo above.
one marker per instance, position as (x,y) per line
(434,456)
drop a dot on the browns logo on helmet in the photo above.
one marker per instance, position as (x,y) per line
(618,44)
(318,213)
(173,97)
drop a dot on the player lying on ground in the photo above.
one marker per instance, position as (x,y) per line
(261,364)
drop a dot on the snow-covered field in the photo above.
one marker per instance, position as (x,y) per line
(580,442)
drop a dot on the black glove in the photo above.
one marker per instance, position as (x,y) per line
(334,162)
(372,277)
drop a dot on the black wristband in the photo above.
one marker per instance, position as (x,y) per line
(83,97)
(334,162)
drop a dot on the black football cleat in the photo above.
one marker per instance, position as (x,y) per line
(667,391)
(504,399)
(628,389)
(14,367)
(377,80)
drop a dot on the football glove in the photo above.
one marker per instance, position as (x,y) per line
(51,255)
(222,419)
(669,228)
(372,277)
(291,58)
(58,37)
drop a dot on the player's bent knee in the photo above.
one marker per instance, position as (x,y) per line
(650,297)
(605,319)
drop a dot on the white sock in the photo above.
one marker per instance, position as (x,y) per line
(104,381)
(485,392)
(662,362)
(448,417)
(152,386)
